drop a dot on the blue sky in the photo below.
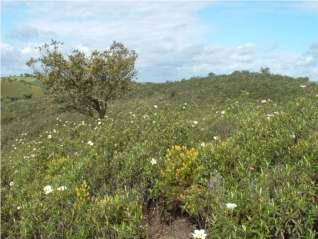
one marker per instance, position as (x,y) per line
(276,23)
(174,40)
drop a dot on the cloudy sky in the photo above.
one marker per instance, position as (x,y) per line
(174,40)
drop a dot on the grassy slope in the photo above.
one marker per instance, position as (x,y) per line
(202,93)
(257,157)
(20,86)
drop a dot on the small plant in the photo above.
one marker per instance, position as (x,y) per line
(117,216)
(177,175)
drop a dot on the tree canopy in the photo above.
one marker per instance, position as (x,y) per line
(85,83)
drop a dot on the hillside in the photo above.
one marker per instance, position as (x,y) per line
(200,93)
(19,87)
(235,155)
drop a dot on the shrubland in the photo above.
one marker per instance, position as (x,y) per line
(234,154)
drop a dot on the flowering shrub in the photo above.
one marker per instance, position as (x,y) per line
(178,173)
(243,169)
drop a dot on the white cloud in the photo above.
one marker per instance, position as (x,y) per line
(13,58)
(83,48)
(170,39)
(26,50)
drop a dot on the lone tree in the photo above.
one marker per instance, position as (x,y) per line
(85,83)
(265,70)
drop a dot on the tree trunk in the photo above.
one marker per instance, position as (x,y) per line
(101,114)
(102,110)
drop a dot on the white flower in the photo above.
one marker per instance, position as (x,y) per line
(303,86)
(49,136)
(222,112)
(11,184)
(61,188)
(19,207)
(263,101)
(199,234)
(90,143)
(230,205)
(99,123)
(195,122)
(203,144)
(153,161)
(216,137)
(269,116)
(293,136)
(54,131)
(155,106)
(48,189)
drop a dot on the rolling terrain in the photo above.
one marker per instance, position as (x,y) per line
(235,155)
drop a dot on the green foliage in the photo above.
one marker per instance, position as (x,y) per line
(19,87)
(177,175)
(86,83)
(191,155)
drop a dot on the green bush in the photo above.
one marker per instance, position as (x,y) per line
(236,167)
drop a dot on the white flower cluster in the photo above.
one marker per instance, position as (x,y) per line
(145,116)
(266,101)
(132,114)
(61,188)
(216,138)
(230,205)
(199,234)
(153,161)
(49,189)
(194,123)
